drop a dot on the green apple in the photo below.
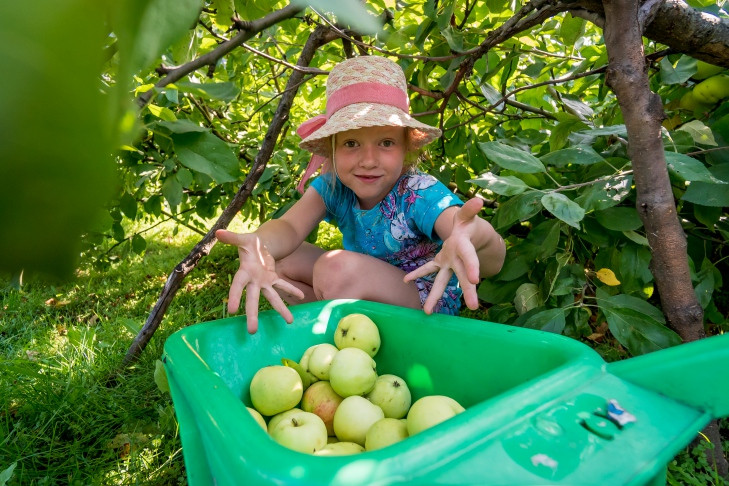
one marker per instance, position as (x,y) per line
(431,410)
(712,89)
(301,431)
(385,432)
(705,70)
(340,449)
(257,417)
(353,372)
(304,363)
(392,395)
(275,389)
(357,331)
(354,416)
(689,102)
(273,421)
(321,359)
(321,399)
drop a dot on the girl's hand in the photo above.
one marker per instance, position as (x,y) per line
(458,255)
(257,274)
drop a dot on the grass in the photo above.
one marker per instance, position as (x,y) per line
(71,415)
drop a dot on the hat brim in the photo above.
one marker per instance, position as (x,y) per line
(360,115)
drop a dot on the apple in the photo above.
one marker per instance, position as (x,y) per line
(340,449)
(301,431)
(354,416)
(280,416)
(304,363)
(320,360)
(357,331)
(321,399)
(712,89)
(257,417)
(392,395)
(352,372)
(275,389)
(431,410)
(385,432)
(706,70)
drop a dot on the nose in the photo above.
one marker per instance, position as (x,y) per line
(369,156)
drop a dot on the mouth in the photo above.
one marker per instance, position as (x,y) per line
(367,178)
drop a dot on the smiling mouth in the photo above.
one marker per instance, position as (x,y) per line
(367,178)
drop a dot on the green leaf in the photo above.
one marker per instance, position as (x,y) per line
(206,153)
(571,29)
(689,168)
(172,191)
(563,208)
(504,185)
(550,320)
(160,377)
(679,74)
(578,155)
(162,112)
(613,130)
(215,91)
(454,38)
(519,208)
(305,378)
(350,12)
(7,474)
(619,218)
(700,133)
(527,298)
(605,194)
(128,206)
(541,242)
(495,292)
(511,158)
(131,325)
(707,194)
(638,332)
(139,244)
(182,126)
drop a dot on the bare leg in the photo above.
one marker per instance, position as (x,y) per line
(351,275)
(298,270)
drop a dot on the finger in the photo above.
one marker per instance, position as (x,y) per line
(228,237)
(253,295)
(470,296)
(289,288)
(468,265)
(278,304)
(240,280)
(426,269)
(436,292)
(470,209)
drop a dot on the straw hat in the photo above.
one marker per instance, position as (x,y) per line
(365,91)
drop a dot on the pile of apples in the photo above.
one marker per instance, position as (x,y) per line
(333,402)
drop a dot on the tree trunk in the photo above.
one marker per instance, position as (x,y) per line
(643,114)
(319,37)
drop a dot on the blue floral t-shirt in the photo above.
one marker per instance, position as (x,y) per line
(398,230)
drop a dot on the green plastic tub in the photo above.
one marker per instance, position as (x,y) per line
(535,402)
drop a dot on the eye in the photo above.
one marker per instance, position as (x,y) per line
(388,143)
(349,143)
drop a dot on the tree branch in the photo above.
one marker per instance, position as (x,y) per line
(211,58)
(319,37)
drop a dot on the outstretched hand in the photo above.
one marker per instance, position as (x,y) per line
(457,255)
(257,274)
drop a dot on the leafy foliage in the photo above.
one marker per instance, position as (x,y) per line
(530,126)
(532,129)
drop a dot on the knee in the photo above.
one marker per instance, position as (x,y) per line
(333,274)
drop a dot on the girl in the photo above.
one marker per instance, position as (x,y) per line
(407,239)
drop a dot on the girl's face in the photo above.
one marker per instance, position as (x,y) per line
(370,161)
